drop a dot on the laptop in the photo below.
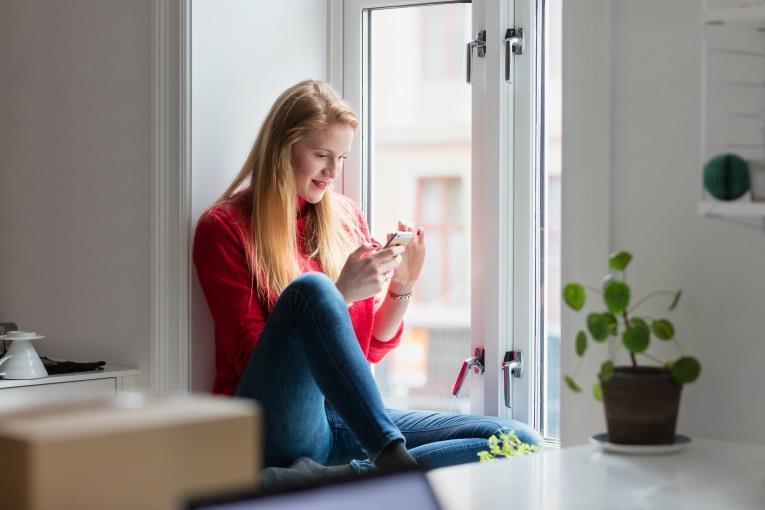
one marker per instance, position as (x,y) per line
(401,490)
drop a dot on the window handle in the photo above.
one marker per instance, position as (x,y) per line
(480,44)
(513,46)
(476,363)
(512,365)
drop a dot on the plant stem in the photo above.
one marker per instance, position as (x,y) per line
(651,357)
(626,326)
(658,292)
(677,344)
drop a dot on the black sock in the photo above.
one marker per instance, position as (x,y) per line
(395,456)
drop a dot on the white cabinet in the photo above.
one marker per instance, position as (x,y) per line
(15,394)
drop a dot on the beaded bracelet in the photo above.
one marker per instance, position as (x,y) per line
(400,297)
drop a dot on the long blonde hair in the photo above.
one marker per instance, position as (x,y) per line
(331,230)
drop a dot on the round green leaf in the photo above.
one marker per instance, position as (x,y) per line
(572,385)
(686,370)
(675,300)
(637,321)
(581,343)
(663,329)
(597,392)
(598,326)
(606,370)
(617,296)
(574,296)
(637,337)
(613,324)
(620,260)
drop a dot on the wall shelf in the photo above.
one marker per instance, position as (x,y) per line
(749,214)
(746,15)
(733,101)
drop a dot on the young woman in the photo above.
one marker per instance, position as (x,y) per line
(292,278)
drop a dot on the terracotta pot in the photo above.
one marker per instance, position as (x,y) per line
(641,405)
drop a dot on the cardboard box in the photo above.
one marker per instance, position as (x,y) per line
(130,452)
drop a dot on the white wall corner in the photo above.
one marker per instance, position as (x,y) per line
(170,196)
(586,204)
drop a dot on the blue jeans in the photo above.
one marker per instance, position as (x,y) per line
(319,398)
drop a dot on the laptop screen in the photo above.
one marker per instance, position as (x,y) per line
(397,491)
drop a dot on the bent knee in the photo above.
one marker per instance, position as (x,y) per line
(524,432)
(312,283)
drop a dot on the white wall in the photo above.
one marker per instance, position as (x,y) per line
(244,54)
(655,184)
(74,176)
(656,121)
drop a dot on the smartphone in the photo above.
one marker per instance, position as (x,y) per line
(399,239)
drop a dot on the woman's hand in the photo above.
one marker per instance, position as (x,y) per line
(407,273)
(365,274)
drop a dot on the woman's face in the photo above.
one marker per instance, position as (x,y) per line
(317,160)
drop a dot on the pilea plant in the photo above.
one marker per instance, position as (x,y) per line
(619,326)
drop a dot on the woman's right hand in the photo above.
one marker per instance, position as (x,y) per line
(365,274)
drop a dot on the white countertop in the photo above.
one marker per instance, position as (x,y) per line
(709,474)
(107,372)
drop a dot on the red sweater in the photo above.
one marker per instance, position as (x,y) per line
(239,316)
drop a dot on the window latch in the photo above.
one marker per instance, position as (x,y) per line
(479,43)
(513,46)
(476,363)
(512,365)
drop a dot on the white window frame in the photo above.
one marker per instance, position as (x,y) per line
(586,158)
(495,226)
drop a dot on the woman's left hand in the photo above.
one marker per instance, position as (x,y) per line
(407,273)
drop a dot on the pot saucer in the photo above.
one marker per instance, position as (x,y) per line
(601,441)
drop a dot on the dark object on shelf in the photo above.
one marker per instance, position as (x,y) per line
(7,326)
(726,177)
(68,367)
(4,328)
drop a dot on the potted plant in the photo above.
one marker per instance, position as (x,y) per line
(641,401)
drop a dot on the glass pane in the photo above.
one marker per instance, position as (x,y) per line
(420,171)
(551,222)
